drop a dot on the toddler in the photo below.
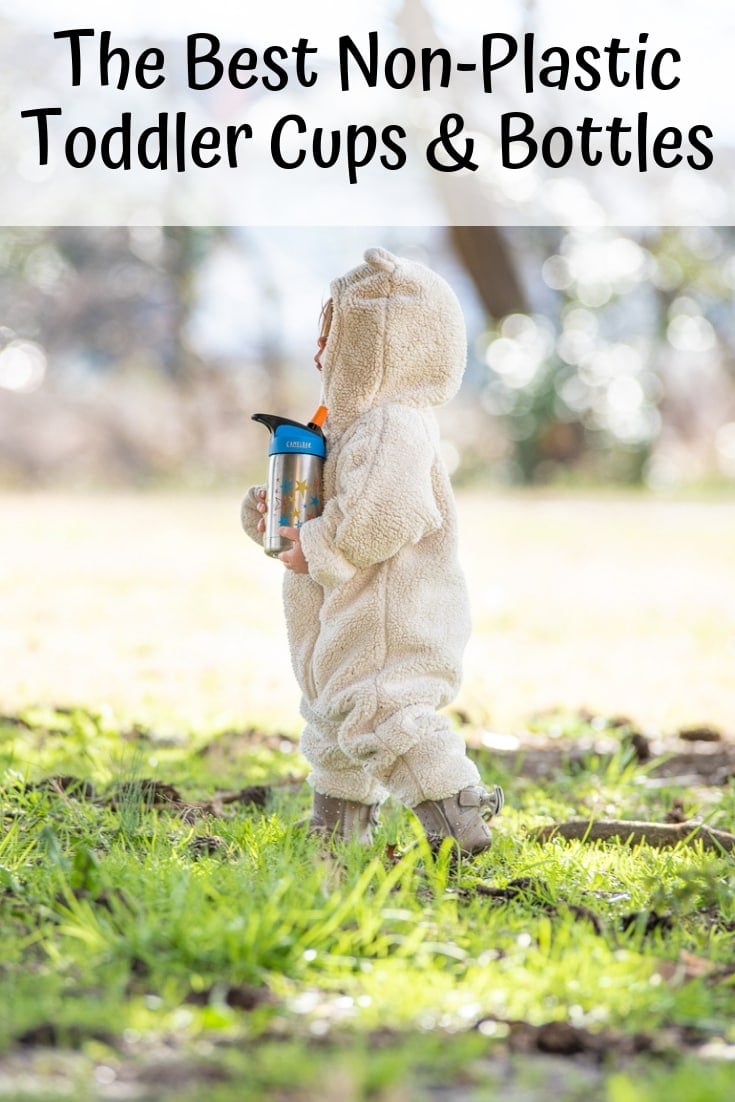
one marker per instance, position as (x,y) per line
(376,604)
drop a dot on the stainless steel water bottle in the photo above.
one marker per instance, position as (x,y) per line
(294,491)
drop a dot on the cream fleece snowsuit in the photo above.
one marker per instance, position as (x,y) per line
(378,626)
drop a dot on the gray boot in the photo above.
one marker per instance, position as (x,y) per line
(462,816)
(344,819)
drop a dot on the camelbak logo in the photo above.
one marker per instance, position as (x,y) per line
(298,445)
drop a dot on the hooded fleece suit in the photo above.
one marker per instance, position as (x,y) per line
(378,626)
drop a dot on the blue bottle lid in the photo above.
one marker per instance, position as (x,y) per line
(291,436)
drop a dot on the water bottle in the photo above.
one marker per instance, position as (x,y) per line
(294,492)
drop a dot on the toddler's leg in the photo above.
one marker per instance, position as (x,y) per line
(413,751)
(346,798)
(421,760)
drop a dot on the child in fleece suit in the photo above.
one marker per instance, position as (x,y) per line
(375,600)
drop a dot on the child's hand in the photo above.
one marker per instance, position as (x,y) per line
(294,559)
(262,509)
(252,510)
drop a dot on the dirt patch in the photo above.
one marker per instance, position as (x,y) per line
(700,755)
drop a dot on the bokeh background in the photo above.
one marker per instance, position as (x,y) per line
(134,355)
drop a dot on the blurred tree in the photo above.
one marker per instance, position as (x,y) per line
(78,304)
(183,250)
(103,298)
(491,263)
(483,250)
(637,336)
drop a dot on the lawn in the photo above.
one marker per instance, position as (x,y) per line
(168,929)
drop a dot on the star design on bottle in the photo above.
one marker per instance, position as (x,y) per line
(301,487)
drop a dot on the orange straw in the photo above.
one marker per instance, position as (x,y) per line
(319,417)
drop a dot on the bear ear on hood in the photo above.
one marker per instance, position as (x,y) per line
(380,258)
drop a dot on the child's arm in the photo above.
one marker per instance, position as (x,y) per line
(384,496)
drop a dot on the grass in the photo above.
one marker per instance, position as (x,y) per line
(274,969)
(205,948)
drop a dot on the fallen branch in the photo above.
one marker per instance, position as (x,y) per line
(635,832)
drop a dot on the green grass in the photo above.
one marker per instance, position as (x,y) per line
(273,969)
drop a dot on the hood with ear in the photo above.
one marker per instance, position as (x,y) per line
(397,335)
